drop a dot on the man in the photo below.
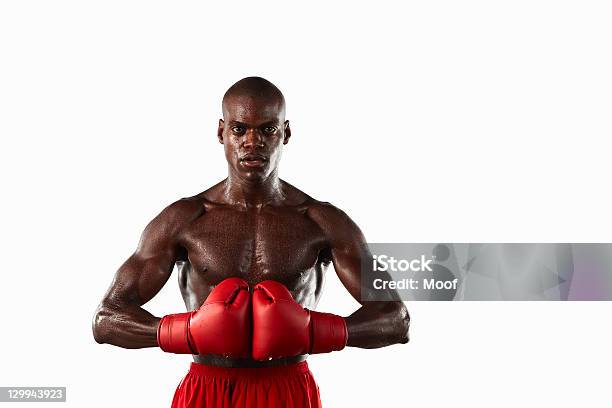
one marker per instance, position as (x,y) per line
(254,249)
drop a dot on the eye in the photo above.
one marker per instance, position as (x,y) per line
(270,129)
(237,130)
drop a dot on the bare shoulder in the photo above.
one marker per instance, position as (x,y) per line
(326,213)
(323,213)
(162,233)
(183,209)
(293,196)
(179,213)
(335,223)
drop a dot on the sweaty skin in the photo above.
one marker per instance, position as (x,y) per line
(251,225)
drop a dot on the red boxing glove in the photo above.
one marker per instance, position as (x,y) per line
(222,325)
(283,328)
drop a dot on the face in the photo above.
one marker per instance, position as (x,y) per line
(253,133)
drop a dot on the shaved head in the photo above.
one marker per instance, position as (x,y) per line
(253,89)
(253,129)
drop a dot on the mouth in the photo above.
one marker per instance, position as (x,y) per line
(253,160)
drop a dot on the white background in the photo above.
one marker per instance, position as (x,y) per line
(445,121)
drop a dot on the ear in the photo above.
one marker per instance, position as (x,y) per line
(220,130)
(287,132)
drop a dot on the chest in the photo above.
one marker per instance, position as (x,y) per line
(260,244)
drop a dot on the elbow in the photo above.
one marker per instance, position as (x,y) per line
(101,324)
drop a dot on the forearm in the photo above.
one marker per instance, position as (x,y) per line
(378,324)
(127,326)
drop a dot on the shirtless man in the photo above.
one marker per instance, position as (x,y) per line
(251,227)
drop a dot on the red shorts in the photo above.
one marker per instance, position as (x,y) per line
(269,387)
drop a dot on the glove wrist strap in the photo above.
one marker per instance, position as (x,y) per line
(329,332)
(173,334)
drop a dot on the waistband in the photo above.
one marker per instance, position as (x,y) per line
(250,372)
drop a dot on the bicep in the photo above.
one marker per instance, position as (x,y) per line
(347,256)
(346,245)
(139,279)
(146,271)
(352,259)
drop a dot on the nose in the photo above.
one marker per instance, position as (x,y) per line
(253,138)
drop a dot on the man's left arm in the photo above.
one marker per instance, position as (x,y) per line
(374,324)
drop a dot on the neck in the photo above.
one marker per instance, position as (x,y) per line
(249,193)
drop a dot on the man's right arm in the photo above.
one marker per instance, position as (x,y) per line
(120,320)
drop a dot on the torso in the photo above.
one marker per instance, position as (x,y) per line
(279,242)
